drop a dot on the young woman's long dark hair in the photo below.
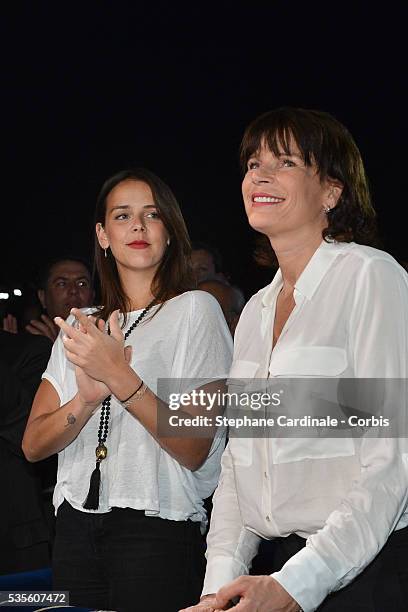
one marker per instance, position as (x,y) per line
(174,274)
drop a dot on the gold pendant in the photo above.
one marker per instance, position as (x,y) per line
(101,451)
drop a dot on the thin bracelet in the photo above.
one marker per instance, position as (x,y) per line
(130,396)
(137,395)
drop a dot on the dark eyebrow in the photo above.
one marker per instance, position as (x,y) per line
(126,207)
(119,207)
(66,278)
(255,155)
(290,155)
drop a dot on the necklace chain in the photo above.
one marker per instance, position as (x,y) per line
(106,404)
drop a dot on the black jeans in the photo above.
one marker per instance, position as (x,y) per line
(381,587)
(122,560)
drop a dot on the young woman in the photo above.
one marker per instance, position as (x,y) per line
(128,537)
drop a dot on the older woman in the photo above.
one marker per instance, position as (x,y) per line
(128,525)
(337,508)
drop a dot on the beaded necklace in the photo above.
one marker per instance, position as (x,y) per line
(101,451)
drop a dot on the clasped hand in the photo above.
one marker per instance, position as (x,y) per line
(255,594)
(90,348)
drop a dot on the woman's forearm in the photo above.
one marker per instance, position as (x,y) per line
(190,452)
(50,432)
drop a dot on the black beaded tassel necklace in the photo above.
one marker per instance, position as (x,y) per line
(101,451)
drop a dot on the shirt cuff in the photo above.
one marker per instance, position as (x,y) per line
(220,571)
(307,579)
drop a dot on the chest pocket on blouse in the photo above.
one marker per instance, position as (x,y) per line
(242,372)
(303,363)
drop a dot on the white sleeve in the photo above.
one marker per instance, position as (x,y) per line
(357,530)
(230,546)
(208,357)
(59,369)
(209,351)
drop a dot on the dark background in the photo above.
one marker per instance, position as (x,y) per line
(90,88)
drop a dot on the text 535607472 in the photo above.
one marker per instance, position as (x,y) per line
(32,598)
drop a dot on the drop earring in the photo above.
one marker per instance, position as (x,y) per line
(168,241)
(106,254)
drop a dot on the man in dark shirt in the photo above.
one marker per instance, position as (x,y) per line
(24,538)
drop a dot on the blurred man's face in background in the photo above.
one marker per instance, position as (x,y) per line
(203,265)
(68,286)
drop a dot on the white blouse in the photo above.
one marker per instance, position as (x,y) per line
(187,339)
(344,495)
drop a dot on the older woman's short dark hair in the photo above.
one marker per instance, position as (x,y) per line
(325,142)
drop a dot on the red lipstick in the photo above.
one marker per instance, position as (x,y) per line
(138,244)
